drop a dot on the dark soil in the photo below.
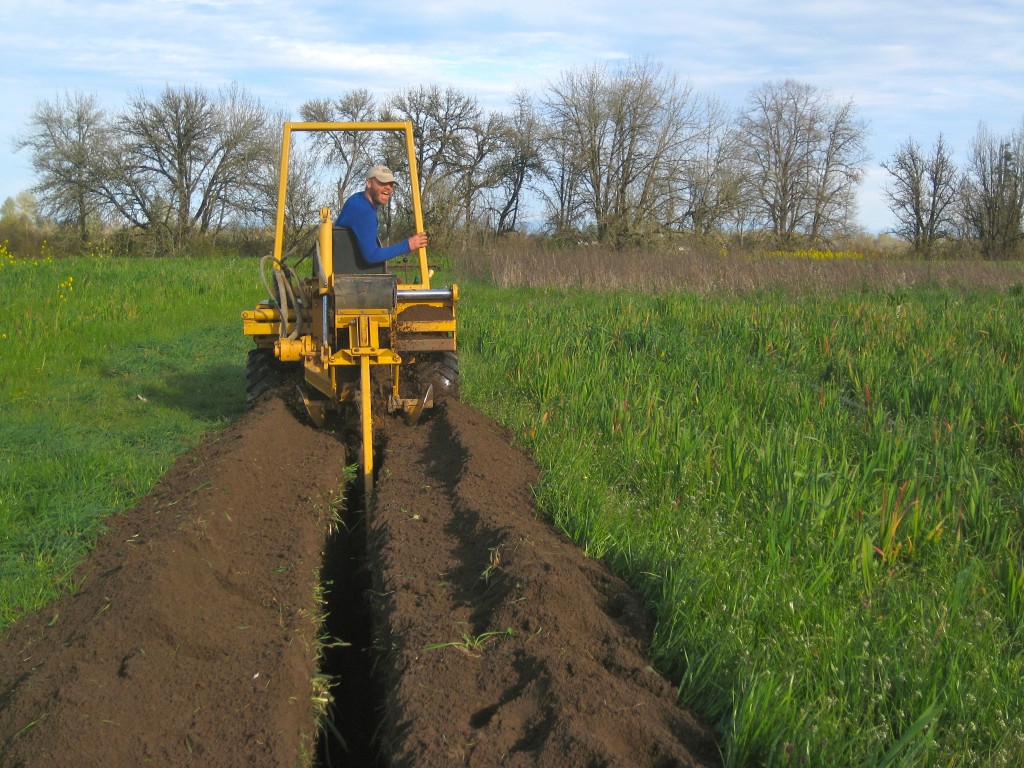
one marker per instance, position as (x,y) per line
(192,637)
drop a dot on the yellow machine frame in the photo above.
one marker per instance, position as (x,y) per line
(337,322)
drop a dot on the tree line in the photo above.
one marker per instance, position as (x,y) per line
(624,156)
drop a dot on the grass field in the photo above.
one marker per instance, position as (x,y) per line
(820,494)
(108,370)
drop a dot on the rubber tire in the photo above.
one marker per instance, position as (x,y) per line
(263,373)
(442,370)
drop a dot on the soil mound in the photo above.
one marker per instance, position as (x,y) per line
(502,644)
(192,638)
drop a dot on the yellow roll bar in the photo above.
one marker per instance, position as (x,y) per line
(414,183)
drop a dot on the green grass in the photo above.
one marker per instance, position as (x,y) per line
(821,498)
(108,370)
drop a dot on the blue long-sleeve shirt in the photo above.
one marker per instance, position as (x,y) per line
(359,215)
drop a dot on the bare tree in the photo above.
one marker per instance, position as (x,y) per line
(476,172)
(246,139)
(710,185)
(65,138)
(447,124)
(516,162)
(629,132)
(839,169)
(562,170)
(23,207)
(168,140)
(805,156)
(187,161)
(302,203)
(922,193)
(22,226)
(348,153)
(993,193)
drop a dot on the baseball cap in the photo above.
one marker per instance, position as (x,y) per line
(382,174)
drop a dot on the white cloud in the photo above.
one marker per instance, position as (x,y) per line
(911,68)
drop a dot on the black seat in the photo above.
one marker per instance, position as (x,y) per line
(348,259)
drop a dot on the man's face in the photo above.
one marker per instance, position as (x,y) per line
(379,192)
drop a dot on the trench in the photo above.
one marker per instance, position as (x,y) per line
(347,738)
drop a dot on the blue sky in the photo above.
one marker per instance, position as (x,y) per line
(912,67)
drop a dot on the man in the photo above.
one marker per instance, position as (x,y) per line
(359,214)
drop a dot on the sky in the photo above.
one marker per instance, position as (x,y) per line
(912,68)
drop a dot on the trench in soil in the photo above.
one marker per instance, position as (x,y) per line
(353,718)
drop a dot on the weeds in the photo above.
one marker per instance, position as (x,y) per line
(330,506)
(472,645)
(494,562)
(709,271)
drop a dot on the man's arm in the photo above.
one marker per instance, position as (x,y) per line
(359,215)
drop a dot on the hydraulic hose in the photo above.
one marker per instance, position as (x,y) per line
(283,293)
(282,302)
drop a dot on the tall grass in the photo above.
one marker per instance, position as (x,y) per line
(715,269)
(820,493)
(821,496)
(108,370)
